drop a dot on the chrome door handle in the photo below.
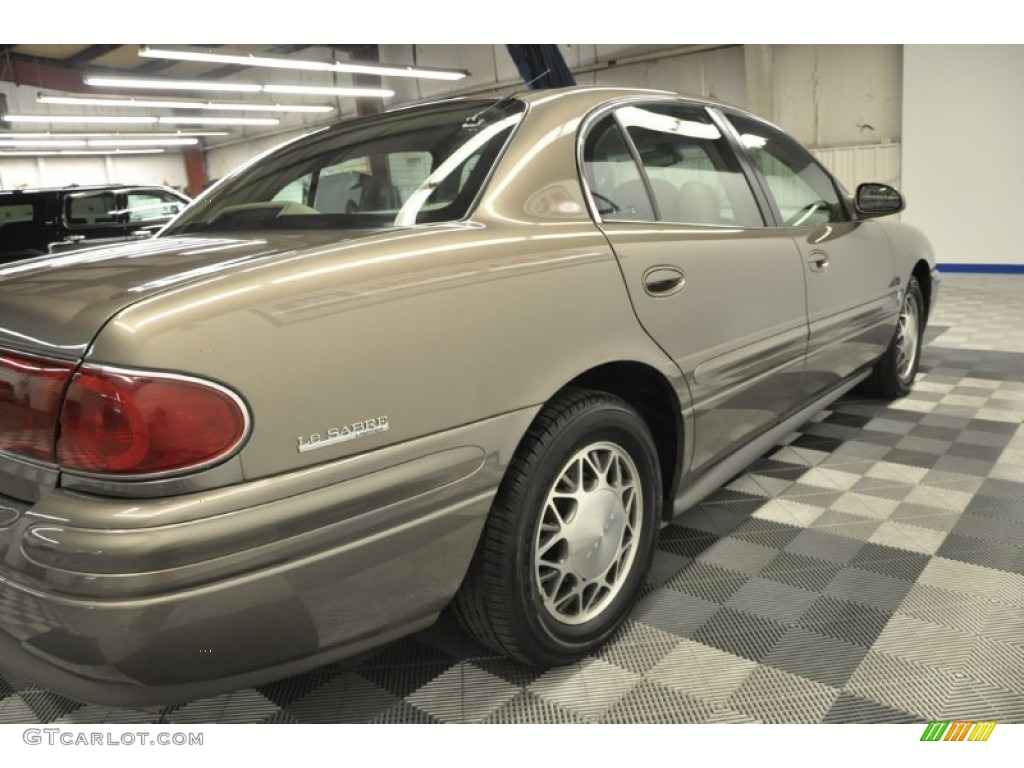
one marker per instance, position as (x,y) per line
(818,261)
(664,281)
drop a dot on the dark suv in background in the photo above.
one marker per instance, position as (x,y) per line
(34,222)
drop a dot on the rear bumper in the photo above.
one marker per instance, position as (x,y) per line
(139,602)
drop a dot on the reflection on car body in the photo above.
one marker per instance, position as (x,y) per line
(469,354)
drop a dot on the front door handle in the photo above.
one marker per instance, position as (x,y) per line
(664,281)
(818,261)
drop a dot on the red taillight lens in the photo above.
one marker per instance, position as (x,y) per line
(30,390)
(127,423)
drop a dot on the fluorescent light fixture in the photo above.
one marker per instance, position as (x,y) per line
(149,120)
(142,142)
(115,135)
(40,143)
(90,143)
(76,152)
(226,106)
(329,91)
(172,85)
(219,121)
(200,85)
(280,62)
(77,119)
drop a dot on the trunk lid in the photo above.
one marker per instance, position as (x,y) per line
(55,305)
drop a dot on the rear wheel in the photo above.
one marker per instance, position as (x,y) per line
(571,533)
(894,373)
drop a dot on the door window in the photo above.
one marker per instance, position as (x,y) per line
(152,205)
(694,176)
(90,210)
(804,192)
(612,175)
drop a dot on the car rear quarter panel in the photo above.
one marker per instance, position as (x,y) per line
(431,329)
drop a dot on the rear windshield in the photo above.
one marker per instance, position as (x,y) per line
(414,166)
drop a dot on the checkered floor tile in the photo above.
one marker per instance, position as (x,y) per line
(868,569)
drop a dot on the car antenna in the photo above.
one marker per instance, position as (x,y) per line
(475,121)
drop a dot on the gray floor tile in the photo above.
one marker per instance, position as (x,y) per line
(870,568)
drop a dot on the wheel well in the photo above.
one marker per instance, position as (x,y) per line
(923,274)
(650,393)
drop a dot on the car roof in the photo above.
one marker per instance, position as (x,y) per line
(79,188)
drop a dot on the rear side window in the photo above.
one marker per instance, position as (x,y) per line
(91,209)
(803,191)
(16,212)
(612,175)
(694,176)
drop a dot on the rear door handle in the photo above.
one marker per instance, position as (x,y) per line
(818,261)
(664,281)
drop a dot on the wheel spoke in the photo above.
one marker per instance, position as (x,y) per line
(586,538)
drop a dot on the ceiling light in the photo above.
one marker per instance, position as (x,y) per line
(76,119)
(114,135)
(142,142)
(329,91)
(280,62)
(172,85)
(20,143)
(64,152)
(199,85)
(219,121)
(181,104)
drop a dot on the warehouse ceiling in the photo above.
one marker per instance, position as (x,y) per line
(62,66)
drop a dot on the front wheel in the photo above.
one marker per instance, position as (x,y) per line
(894,373)
(571,533)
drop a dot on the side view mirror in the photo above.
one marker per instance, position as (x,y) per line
(878,200)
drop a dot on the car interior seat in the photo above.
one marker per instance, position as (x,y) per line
(699,203)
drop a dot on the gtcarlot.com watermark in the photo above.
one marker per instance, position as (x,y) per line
(60,737)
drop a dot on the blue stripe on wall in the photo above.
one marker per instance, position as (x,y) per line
(1015,269)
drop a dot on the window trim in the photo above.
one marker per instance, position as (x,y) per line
(764,205)
(120,203)
(844,202)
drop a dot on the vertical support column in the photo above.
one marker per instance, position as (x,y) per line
(760,91)
(195,170)
(367,106)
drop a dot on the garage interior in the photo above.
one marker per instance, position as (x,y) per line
(869,568)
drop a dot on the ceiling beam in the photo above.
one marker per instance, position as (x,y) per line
(28,70)
(88,55)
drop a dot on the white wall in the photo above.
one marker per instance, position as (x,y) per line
(963,158)
(165,168)
(220,161)
(826,95)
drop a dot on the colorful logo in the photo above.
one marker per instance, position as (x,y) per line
(958,730)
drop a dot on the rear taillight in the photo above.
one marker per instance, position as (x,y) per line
(132,423)
(30,391)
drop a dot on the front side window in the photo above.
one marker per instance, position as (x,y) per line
(400,168)
(803,191)
(91,209)
(694,176)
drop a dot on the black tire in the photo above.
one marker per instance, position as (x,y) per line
(892,377)
(502,600)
